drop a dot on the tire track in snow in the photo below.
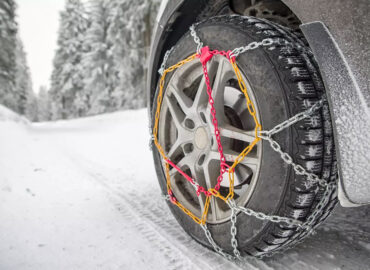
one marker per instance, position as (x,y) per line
(167,227)
(164,234)
(153,219)
(172,257)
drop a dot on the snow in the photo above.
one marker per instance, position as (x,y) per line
(7,115)
(82,194)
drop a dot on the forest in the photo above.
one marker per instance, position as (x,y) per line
(99,65)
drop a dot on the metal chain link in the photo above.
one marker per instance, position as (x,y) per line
(216,247)
(164,62)
(304,227)
(267,135)
(197,41)
(291,121)
(252,46)
(298,169)
(272,218)
(233,230)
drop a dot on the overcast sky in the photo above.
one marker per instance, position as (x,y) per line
(38,25)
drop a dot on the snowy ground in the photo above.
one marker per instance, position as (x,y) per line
(82,194)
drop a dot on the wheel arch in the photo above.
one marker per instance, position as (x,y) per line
(179,15)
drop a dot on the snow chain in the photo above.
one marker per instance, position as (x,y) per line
(204,55)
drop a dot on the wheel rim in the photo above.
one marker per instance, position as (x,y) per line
(186,132)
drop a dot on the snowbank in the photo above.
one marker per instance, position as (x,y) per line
(7,115)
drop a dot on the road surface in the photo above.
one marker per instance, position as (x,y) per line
(82,194)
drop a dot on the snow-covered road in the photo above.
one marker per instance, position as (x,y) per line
(82,194)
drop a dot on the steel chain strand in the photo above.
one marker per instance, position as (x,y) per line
(299,170)
(329,187)
(233,229)
(197,41)
(252,46)
(307,225)
(291,121)
(272,218)
(164,62)
(216,247)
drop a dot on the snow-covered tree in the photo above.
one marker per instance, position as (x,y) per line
(44,106)
(25,96)
(32,108)
(130,32)
(8,42)
(100,64)
(99,74)
(67,76)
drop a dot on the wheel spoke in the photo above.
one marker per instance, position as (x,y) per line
(218,88)
(185,161)
(184,101)
(174,148)
(231,132)
(201,95)
(219,83)
(231,156)
(176,113)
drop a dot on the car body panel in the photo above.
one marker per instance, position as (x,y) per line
(341,46)
(348,112)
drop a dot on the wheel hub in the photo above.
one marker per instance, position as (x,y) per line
(201,138)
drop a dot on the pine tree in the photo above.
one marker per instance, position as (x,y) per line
(130,33)
(44,106)
(67,76)
(25,96)
(98,61)
(110,72)
(8,33)
(32,108)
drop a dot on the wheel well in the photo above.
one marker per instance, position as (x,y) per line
(272,10)
(195,10)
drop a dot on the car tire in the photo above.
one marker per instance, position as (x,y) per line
(285,80)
